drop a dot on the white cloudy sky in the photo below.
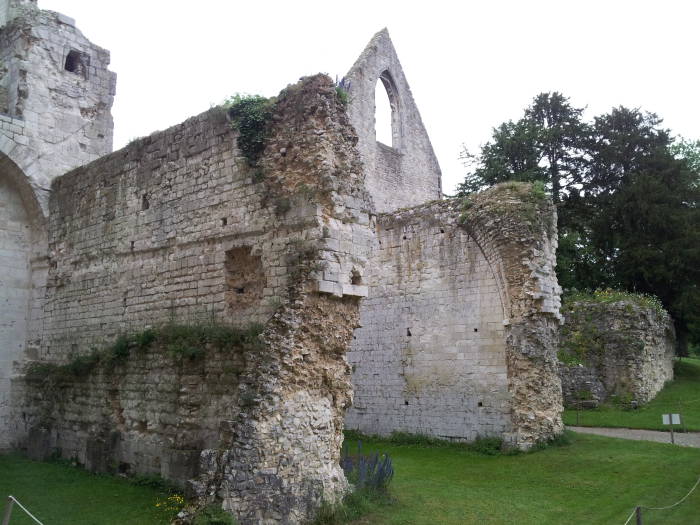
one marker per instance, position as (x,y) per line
(471,64)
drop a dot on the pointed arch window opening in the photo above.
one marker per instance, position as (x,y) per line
(386,112)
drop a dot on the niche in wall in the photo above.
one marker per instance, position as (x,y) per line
(245,279)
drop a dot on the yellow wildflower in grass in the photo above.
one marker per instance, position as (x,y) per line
(171,505)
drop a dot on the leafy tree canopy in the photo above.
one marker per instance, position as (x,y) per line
(627,196)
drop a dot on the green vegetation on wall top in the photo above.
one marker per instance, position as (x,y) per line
(184,341)
(613,296)
(250,115)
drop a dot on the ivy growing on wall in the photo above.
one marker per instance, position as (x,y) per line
(250,116)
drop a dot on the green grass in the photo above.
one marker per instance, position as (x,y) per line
(58,494)
(682,395)
(594,480)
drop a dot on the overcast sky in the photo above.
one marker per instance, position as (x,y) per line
(471,65)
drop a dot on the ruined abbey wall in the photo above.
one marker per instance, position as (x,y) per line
(177,227)
(55,95)
(406,172)
(622,349)
(429,356)
(55,100)
(450,309)
(458,334)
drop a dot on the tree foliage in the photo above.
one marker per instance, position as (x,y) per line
(627,198)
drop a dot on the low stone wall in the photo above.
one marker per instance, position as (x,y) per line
(623,348)
(151,411)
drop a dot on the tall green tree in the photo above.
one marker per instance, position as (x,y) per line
(689,150)
(628,199)
(645,220)
(547,144)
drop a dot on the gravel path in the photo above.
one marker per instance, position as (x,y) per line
(687,439)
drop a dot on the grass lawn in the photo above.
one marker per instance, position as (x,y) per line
(681,395)
(58,494)
(593,480)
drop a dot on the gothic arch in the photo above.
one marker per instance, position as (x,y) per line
(394,103)
(22,277)
(406,174)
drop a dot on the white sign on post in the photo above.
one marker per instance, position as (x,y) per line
(671,419)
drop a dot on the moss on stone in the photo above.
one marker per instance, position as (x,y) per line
(181,340)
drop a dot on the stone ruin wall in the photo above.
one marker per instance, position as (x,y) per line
(177,226)
(56,94)
(406,172)
(623,349)
(458,333)
(51,120)
(429,357)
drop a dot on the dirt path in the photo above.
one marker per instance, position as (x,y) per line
(688,439)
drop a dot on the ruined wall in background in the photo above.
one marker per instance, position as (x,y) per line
(459,331)
(178,227)
(406,172)
(21,276)
(623,349)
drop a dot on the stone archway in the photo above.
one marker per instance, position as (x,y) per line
(22,245)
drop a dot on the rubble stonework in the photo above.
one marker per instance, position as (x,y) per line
(458,333)
(623,348)
(56,94)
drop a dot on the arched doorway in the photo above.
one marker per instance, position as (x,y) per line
(21,241)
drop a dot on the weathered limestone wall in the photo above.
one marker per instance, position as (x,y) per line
(178,226)
(55,95)
(51,120)
(152,413)
(10,9)
(429,357)
(623,348)
(458,333)
(22,274)
(406,172)
(15,289)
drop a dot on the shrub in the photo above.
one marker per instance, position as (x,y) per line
(367,471)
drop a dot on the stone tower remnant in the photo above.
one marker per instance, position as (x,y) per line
(55,99)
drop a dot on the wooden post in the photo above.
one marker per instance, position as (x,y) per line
(578,411)
(639,515)
(8,511)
